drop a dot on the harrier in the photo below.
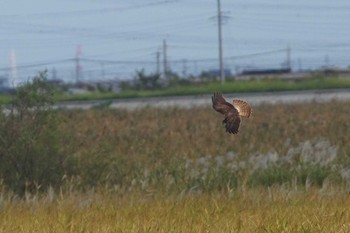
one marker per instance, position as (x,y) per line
(232,112)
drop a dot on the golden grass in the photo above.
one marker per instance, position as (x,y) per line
(258,210)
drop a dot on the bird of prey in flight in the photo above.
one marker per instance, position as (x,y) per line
(232,112)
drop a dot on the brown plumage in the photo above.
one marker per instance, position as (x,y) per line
(232,112)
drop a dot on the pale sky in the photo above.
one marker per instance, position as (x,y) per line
(45,34)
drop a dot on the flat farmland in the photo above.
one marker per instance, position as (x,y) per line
(177,170)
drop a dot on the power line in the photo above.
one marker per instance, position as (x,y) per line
(39,64)
(116,62)
(145,62)
(88,11)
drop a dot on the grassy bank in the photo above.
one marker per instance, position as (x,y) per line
(229,87)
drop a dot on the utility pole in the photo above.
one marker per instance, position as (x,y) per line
(13,68)
(288,58)
(300,67)
(221,60)
(158,62)
(165,62)
(77,64)
(54,73)
(103,73)
(326,61)
(184,67)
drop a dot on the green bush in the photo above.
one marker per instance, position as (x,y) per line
(31,157)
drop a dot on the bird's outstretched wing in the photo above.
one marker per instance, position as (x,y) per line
(232,119)
(220,104)
(243,108)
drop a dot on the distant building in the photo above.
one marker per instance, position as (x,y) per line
(266,71)
(217,72)
(7,90)
(55,82)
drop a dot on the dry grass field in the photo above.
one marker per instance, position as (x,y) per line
(177,149)
(258,210)
(176,170)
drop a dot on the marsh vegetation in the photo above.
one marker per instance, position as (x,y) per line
(173,169)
